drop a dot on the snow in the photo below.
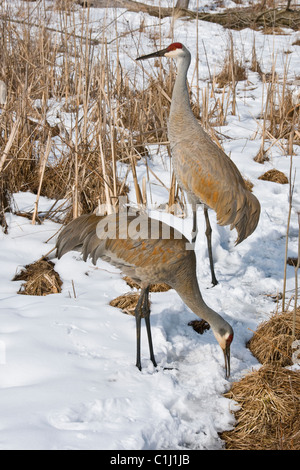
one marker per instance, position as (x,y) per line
(67,361)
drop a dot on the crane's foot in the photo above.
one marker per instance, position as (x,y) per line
(156,366)
(139,365)
(214,282)
(153,361)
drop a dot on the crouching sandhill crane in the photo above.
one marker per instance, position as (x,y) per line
(201,168)
(147,261)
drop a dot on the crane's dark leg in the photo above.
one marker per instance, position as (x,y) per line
(146,314)
(143,310)
(138,318)
(195,227)
(208,236)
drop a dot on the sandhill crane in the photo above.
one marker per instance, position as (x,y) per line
(146,260)
(202,169)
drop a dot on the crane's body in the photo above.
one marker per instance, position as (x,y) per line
(202,169)
(147,261)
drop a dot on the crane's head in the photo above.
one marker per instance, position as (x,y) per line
(224,336)
(174,50)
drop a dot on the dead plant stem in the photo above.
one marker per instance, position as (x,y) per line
(9,142)
(291,190)
(296,280)
(43,166)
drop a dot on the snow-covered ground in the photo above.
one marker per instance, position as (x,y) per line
(67,362)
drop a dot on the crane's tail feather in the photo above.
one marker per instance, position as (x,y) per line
(80,234)
(248,223)
(242,214)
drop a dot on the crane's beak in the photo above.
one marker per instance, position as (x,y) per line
(154,54)
(226,352)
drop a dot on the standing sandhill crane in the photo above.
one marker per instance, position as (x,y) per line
(201,168)
(147,260)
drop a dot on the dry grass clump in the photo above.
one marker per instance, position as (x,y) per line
(126,302)
(268,418)
(40,279)
(269,399)
(272,341)
(275,176)
(291,261)
(199,326)
(161,287)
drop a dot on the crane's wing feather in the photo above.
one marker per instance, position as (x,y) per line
(209,175)
(130,243)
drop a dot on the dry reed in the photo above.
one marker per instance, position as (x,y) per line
(110,120)
(280,115)
(232,72)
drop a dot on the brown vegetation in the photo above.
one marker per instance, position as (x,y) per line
(111,121)
(128,301)
(272,341)
(235,18)
(40,279)
(268,418)
(275,176)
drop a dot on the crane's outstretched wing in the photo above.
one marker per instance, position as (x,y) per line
(143,248)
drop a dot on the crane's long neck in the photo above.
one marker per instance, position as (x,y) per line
(180,105)
(191,295)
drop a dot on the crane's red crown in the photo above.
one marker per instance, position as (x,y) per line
(174,46)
